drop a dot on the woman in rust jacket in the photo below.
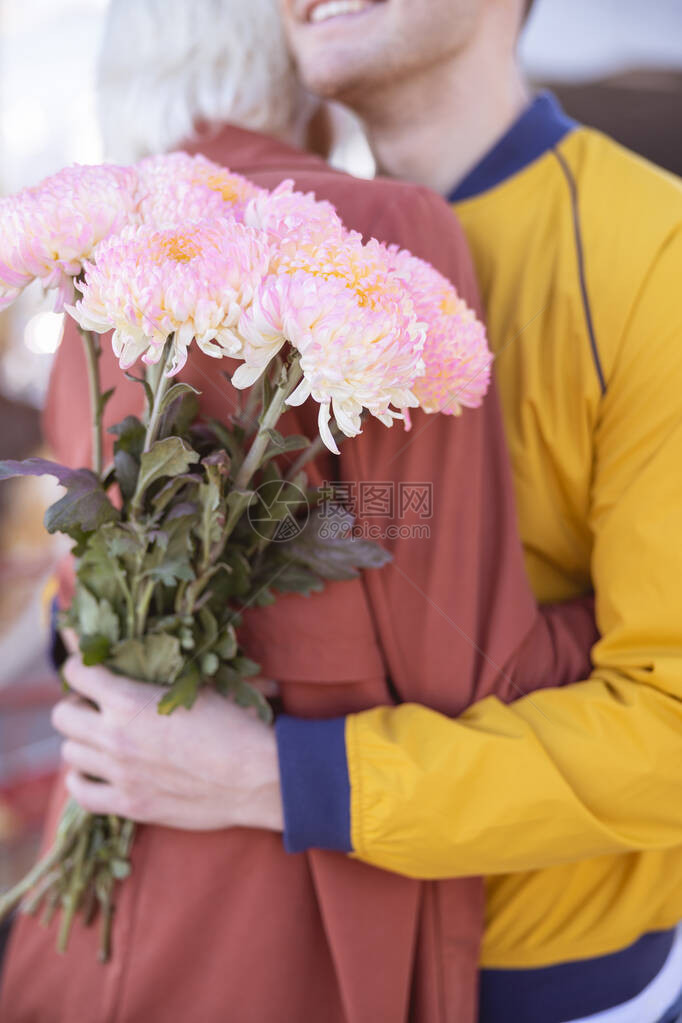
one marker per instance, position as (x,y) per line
(225,925)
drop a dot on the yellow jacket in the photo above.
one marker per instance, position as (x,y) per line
(570,800)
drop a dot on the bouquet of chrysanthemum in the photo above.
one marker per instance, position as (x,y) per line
(173,252)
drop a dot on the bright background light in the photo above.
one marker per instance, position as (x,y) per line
(48,52)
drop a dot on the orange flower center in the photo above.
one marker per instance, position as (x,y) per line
(224,187)
(180,248)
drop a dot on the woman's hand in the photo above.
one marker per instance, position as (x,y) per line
(214,766)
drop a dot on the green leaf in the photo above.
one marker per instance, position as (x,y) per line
(209,627)
(176,391)
(97,625)
(217,465)
(283,445)
(121,542)
(336,557)
(168,457)
(130,434)
(149,394)
(267,391)
(226,647)
(239,500)
(230,680)
(183,692)
(181,408)
(84,507)
(209,528)
(103,400)
(294,442)
(295,578)
(94,649)
(155,657)
(169,490)
(98,570)
(127,469)
(245,666)
(86,610)
(210,663)
(169,560)
(231,439)
(10,468)
(95,617)
(235,580)
(171,571)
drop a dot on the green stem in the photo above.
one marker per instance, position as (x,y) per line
(73,820)
(93,351)
(104,886)
(270,417)
(143,606)
(32,902)
(313,451)
(160,384)
(74,891)
(249,414)
(126,837)
(260,442)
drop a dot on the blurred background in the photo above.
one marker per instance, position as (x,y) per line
(615,64)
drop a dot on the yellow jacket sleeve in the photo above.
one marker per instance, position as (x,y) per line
(594,767)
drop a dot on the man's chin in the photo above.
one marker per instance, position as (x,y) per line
(344,85)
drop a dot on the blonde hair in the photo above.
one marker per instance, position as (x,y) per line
(166,65)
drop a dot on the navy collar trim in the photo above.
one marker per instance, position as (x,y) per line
(540,127)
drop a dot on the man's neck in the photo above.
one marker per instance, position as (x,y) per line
(433,128)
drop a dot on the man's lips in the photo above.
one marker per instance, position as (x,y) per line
(324,10)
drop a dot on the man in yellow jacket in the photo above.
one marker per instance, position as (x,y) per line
(569,800)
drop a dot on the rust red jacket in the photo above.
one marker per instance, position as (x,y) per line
(226,926)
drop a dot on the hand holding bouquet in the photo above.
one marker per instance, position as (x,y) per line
(173,252)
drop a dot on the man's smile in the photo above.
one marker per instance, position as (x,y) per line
(326,10)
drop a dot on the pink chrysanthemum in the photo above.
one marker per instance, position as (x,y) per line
(47,232)
(190,281)
(354,326)
(289,218)
(456,353)
(176,188)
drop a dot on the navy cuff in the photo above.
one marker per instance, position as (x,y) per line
(315,787)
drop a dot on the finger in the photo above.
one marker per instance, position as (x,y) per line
(82,723)
(91,761)
(110,692)
(70,640)
(96,796)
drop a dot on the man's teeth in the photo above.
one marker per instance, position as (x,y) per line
(334,8)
